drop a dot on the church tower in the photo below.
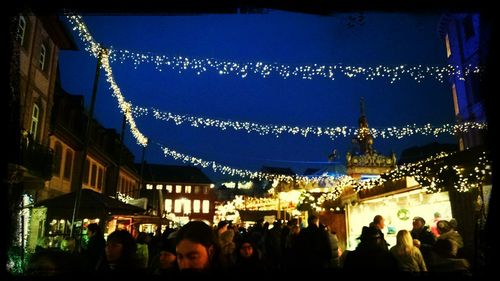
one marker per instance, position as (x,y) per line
(364,159)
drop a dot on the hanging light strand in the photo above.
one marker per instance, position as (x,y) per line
(332,132)
(242,69)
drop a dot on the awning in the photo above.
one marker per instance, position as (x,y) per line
(92,205)
(254,215)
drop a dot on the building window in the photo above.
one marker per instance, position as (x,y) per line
(187,189)
(68,163)
(21,30)
(100,178)
(455,99)
(159,186)
(34,121)
(196,206)
(205,189)
(448,47)
(178,188)
(186,207)
(93,175)
(178,206)
(206,206)
(196,189)
(169,188)
(43,56)
(168,205)
(56,168)
(149,186)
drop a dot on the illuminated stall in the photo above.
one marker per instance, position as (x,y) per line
(94,208)
(399,206)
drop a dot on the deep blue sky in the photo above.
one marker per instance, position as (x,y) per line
(276,36)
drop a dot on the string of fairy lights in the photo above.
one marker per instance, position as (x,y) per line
(462,179)
(332,132)
(123,105)
(264,69)
(336,185)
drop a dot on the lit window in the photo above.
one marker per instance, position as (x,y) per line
(43,54)
(93,175)
(100,178)
(455,99)
(187,206)
(196,206)
(196,189)
(206,206)
(205,189)
(149,186)
(169,188)
(178,188)
(34,121)
(448,47)
(187,189)
(168,205)
(159,186)
(178,206)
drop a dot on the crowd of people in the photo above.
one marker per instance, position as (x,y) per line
(197,248)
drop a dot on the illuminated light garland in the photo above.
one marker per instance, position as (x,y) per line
(221,168)
(91,45)
(332,132)
(226,170)
(96,49)
(461,185)
(123,105)
(124,197)
(263,69)
(431,182)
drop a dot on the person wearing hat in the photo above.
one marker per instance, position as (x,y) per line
(370,254)
(167,259)
(447,231)
(248,258)
(423,238)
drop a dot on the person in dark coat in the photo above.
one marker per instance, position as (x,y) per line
(248,258)
(314,247)
(95,247)
(197,248)
(167,260)
(370,254)
(425,237)
(121,257)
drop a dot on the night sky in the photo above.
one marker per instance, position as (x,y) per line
(357,39)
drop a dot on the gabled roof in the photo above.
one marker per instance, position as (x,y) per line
(172,174)
(310,171)
(92,205)
(277,171)
(417,153)
(58,31)
(335,169)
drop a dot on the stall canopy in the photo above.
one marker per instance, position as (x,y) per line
(254,215)
(92,205)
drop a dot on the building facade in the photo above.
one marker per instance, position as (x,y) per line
(35,44)
(466,39)
(179,193)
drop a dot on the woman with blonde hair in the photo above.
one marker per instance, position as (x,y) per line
(408,256)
